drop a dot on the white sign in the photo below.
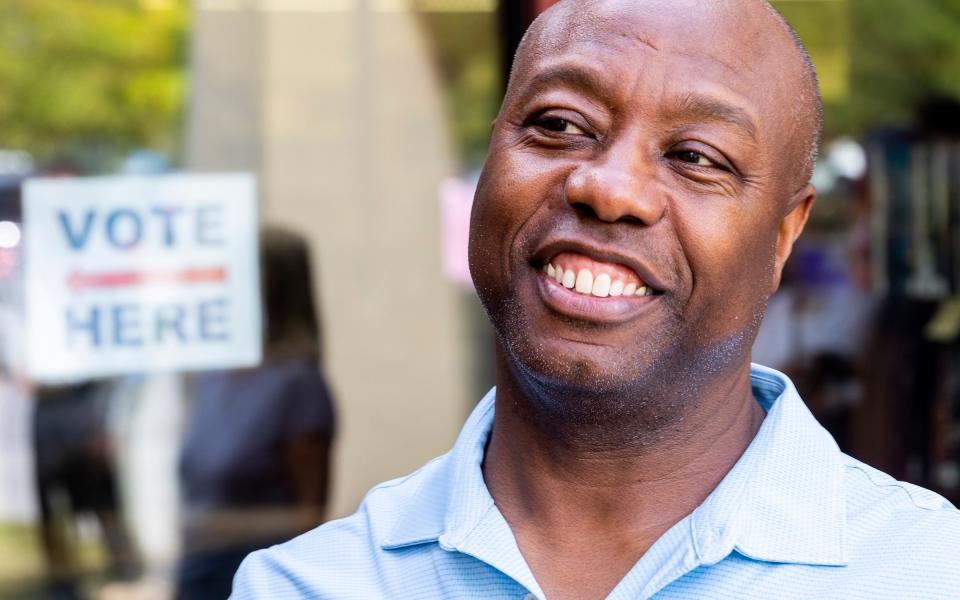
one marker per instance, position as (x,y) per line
(133,274)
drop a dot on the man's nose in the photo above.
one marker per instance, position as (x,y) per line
(616,187)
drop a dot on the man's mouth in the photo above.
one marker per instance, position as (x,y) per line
(589,277)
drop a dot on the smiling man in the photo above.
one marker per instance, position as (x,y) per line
(647,178)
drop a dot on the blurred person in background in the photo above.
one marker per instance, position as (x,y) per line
(255,463)
(76,475)
(75,468)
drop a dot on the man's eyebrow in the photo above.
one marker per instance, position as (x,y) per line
(572,76)
(708,108)
(692,106)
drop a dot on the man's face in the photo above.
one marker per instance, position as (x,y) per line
(644,153)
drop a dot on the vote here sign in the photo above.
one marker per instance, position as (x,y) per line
(134,274)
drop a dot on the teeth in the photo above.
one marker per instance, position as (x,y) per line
(584,281)
(601,286)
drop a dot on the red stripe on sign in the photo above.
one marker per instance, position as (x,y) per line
(79,281)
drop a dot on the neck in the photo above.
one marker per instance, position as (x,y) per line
(543,483)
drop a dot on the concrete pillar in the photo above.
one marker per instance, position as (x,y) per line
(347,131)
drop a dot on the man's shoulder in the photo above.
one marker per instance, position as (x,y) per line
(340,550)
(894,522)
(867,483)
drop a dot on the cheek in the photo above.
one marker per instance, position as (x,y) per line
(730,254)
(502,204)
(509,192)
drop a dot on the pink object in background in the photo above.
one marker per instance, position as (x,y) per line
(456,200)
(541,5)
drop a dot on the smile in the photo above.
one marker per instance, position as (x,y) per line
(584,288)
(588,277)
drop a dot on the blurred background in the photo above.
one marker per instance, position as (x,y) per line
(365,123)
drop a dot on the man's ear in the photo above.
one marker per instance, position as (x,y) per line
(791,226)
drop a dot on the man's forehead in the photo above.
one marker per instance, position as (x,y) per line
(694,43)
(601,46)
(658,24)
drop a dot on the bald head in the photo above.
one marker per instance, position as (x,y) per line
(755,28)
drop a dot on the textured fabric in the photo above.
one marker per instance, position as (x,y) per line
(794,518)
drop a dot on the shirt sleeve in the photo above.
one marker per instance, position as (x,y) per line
(261,577)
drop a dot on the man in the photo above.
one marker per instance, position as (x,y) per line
(647,178)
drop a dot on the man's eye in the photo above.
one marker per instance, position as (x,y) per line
(694,158)
(559,125)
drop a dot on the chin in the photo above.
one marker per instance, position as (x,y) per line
(579,370)
(591,404)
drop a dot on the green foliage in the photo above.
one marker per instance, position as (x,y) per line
(825,29)
(465,48)
(878,59)
(82,78)
(901,52)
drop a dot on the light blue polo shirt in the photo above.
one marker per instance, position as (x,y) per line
(794,518)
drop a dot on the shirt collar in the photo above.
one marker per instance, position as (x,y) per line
(782,502)
(453,498)
(454,508)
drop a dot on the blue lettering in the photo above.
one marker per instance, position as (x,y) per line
(77,240)
(166,214)
(135,222)
(78,325)
(170,318)
(126,329)
(210,225)
(212,321)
